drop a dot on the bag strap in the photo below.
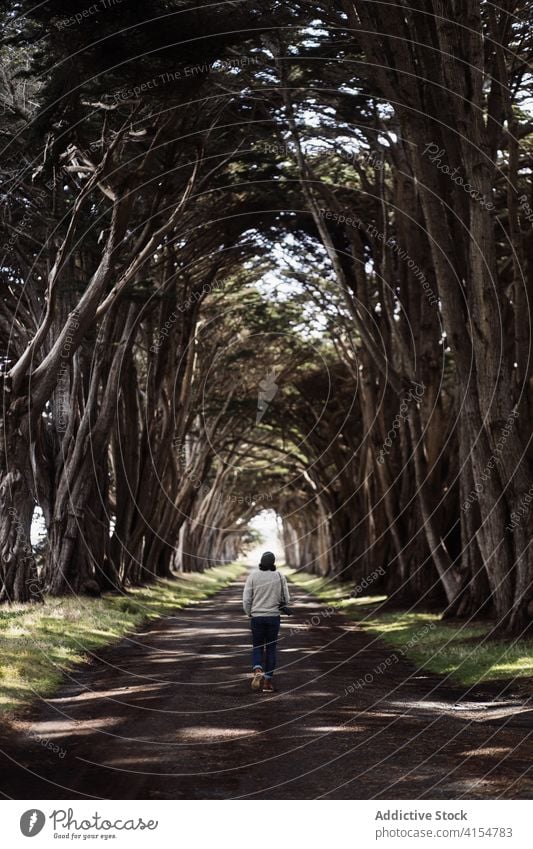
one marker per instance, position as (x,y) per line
(283,599)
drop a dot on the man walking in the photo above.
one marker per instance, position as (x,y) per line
(264,591)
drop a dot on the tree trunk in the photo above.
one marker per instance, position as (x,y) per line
(18,576)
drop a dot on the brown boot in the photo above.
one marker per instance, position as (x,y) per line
(268,686)
(257,679)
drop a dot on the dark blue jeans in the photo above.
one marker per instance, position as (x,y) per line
(265,630)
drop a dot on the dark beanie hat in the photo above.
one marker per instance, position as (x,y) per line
(267,561)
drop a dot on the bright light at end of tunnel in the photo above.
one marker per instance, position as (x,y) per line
(266,524)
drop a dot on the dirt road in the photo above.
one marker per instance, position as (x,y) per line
(169,714)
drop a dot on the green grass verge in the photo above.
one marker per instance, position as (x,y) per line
(39,642)
(465,652)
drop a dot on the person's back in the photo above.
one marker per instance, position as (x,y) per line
(264,592)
